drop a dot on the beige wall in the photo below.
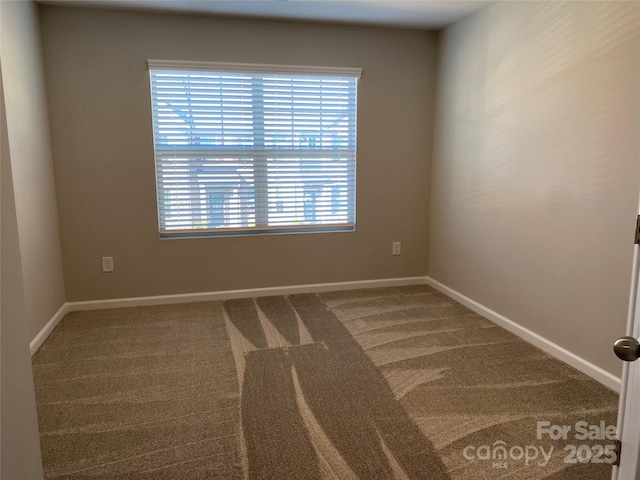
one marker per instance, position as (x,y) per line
(19,440)
(535,170)
(33,177)
(102,139)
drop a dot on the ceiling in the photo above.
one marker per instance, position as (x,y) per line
(427,14)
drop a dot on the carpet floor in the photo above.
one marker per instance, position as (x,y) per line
(386,383)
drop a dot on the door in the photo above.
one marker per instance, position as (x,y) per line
(629,410)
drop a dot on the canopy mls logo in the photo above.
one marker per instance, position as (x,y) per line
(500,454)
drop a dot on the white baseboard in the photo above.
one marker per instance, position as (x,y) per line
(539,341)
(248,293)
(208,296)
(553,349)
(43,334)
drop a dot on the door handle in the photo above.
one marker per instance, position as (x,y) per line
(627,348)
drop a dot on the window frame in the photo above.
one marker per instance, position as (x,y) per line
(261,211)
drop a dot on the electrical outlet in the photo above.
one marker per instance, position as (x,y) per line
(107,264)
(396,248)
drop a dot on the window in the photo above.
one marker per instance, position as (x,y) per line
(245,149)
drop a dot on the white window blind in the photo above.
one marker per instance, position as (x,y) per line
(253,148)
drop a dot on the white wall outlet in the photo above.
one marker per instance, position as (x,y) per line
(107,264)
(396,248)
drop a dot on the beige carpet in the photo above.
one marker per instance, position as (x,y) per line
(393,383)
